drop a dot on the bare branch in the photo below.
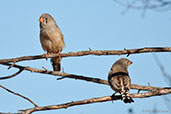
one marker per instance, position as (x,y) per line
(154,91)
(91,52)
(19,95)
(96,100)
(9,113)
(53,73)
(11,76)
(147,88)
(156,5)
(166,76)
(11,65)
(81,77)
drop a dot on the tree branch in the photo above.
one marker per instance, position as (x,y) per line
(11,76)
(152,91)
(9,113)
(90,52)
(72,76)
(81,77)
(166,76)
(96,100)
(19,95)
(146,4)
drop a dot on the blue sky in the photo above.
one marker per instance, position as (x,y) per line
(85,24)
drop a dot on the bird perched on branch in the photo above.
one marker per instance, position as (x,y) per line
(119,79)
(51,39)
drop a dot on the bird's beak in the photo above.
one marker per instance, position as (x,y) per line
(130,62)
(41,20)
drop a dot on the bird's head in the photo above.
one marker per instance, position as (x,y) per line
(121,65)
(46,20)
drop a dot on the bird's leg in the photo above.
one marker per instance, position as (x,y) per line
(46,55)
(59,54)
(113,96)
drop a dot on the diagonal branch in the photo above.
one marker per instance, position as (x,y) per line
(96,100)
(19,95)
(166,76)
(11,76)
(91,52)
(80,77)
(72,76)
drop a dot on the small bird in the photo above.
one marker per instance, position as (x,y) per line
(51,39)
(119,79)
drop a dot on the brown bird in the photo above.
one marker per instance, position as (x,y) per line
(51,39)
(119,79)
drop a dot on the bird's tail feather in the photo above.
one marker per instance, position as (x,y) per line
(56,63)
(125,94)
(126,98)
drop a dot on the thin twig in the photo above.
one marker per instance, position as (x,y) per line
(45,68)
(12,65)
(161,4)
(166,76)
(139,90)
(11,76)
(19,95)
(61,78)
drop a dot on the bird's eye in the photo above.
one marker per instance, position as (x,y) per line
(46,19)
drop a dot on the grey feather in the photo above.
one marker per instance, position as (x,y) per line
(119,79)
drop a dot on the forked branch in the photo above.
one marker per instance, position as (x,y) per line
(18,95)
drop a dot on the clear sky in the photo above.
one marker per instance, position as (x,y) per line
(95,24)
